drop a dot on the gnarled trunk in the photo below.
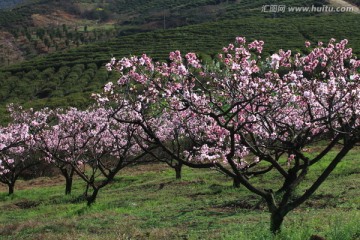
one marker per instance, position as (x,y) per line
(11,188)
(91,199)
(276,221)
(68,186)
(236,183)
(68,174)
(178,168)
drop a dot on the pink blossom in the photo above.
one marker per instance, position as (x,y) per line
(275,61)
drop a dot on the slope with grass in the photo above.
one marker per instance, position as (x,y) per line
(146,202)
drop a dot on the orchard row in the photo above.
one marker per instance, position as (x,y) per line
(243,115)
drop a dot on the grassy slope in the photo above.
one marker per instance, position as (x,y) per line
(145,202)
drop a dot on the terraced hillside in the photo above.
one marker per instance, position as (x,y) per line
(68,77)
(39,27)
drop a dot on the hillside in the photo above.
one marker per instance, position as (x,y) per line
(61,65)
(76,73)
(40,27)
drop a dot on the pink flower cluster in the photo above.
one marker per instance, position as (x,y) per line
(242,105)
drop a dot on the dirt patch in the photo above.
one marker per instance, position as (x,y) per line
(23,204)
(9,51)
(13,229)
(56,18)
(26,204)
(321,201)
(243,204)
(251,203)
(186,183)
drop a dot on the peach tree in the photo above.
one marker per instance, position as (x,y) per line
(245,115)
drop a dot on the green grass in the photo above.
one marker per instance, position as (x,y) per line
(146,202)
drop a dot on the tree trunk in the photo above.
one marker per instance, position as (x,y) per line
(68,174)
(68,187)
(11,188)
(91,199)
(277,219)
(178,168)
(236,183)
(86,190)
